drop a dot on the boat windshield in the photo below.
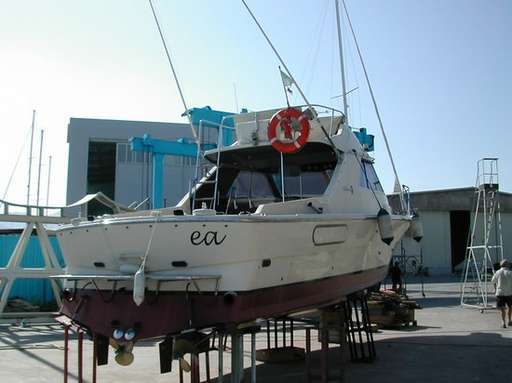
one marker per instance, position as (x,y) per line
(252,176)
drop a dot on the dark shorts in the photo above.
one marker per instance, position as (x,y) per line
(502,301)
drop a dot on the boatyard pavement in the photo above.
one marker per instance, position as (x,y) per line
(451,344)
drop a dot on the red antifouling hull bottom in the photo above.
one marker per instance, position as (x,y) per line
(171,312)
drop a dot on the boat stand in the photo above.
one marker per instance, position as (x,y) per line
(80,344)
(359,331)
(237,354)
(331,330)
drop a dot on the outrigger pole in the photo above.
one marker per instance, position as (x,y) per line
(187,111)
(315,115)
(397,180)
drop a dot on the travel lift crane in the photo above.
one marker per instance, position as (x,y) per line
(201,118)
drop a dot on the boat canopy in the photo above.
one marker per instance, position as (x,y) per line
(264,158)
(250,176)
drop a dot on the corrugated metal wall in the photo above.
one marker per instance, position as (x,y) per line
(37,291)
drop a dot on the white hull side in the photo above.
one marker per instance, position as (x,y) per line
(344,246)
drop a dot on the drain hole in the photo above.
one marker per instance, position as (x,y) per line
(99,264)
(266,262)
(179,264)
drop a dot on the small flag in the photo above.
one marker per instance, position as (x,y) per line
(287,81)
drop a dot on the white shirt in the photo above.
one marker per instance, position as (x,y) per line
(503,281)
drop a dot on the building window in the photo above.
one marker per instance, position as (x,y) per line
(101,172)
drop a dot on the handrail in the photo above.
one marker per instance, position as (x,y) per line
(29,209)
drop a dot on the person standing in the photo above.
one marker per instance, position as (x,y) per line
(502,280)
(396,278)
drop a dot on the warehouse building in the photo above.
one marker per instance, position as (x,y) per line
(447,217)
(100,159)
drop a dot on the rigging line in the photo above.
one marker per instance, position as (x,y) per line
(174,72)
(315,114)
(397,180)
(311,50)
(316,49)
(15,165)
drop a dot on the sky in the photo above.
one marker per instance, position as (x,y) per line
(440,70)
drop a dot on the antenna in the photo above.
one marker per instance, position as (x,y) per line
(342,64)
(30,155)
(236,98)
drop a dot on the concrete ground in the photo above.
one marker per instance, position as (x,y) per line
(451,344)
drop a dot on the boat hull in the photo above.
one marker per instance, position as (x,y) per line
(172,312)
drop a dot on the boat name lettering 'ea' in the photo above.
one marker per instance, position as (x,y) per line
(208,238)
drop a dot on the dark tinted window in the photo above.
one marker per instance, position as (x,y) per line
(369,177)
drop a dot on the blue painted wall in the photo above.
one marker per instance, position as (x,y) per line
(37,291)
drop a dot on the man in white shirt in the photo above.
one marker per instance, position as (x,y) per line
(502,280)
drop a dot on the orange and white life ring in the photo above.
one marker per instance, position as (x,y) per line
(288,130)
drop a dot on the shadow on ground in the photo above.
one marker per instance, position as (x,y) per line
(477,357)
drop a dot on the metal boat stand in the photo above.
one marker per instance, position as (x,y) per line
(219,342)
(282,348)
(80,344)
(237,354)
(359,331)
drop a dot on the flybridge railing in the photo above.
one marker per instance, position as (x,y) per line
(262,118)
(14,209)
(225,137)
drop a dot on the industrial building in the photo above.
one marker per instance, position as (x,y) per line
(447,216)
(100,159)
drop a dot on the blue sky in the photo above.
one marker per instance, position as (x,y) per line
(440,71)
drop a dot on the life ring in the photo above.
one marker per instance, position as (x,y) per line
(293,127)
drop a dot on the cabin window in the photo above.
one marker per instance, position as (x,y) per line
(251,176)
(369,177)
(304,184)
(252,184)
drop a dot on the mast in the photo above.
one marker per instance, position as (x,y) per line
(49,177)
(342,65)
(39,170)
(30,155)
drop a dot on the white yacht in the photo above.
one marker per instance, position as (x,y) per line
(263,234)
